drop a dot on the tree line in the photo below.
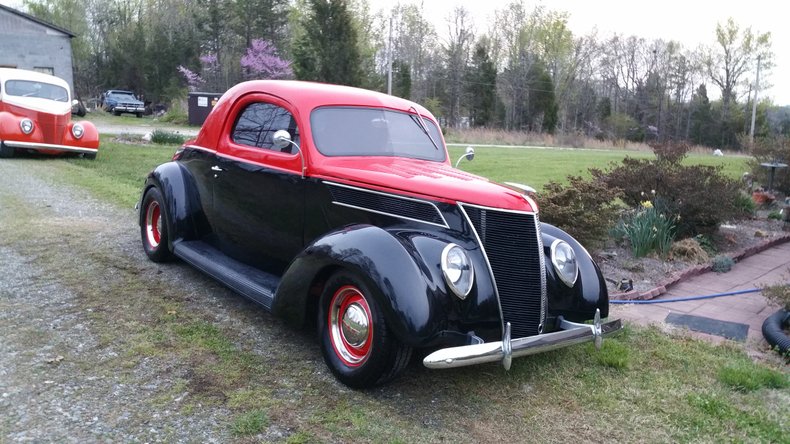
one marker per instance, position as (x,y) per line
(528,71)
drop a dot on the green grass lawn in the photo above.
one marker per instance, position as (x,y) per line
(643,386)
(537,166)
(118,172)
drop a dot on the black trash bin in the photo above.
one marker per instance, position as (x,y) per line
(200,104)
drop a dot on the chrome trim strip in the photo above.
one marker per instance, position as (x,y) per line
(501,210)
(201,148)
(488,264)
(48,146)
(544,298)
(495,351)
(396,196)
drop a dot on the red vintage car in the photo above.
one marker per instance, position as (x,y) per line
(35,116)
(339,207)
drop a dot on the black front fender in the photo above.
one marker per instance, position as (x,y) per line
(577,303)
(410,291)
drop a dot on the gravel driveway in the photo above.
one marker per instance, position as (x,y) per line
(79,309)
(64,376)
(98,344)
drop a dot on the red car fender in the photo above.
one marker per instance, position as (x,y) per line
(89,139)
(10,129)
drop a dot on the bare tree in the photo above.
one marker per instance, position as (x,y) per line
(461,36)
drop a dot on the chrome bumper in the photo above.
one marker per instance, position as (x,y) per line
(507,349)
(48,146)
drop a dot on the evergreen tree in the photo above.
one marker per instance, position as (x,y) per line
(701,119)
(542,110)
(401,79)
(481,86)
(327,50)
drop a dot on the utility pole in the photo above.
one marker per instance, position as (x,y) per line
(389,61)
(754,104)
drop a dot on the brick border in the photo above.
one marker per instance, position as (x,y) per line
(674,278)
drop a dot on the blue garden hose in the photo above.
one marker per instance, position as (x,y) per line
(773,326)
(687,298)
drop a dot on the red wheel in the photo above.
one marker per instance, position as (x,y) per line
(357,345)
(153,226)
(350,328)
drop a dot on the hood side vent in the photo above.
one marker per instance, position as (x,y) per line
(387,204)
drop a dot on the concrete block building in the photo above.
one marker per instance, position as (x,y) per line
(30,43)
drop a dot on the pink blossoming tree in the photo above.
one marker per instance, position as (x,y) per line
(262,62)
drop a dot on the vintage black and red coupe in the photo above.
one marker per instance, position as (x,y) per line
(35,116)
(340,205)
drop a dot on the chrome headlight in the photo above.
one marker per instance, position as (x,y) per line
(77,130)
(26,125)
(564,260)
(458,270)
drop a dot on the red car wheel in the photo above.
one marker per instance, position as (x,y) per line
(153,227)
(357,345)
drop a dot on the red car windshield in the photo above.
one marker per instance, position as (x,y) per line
(27,88)
(347,131)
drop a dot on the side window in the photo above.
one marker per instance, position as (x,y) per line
(259,121)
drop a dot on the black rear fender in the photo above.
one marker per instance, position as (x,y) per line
(184,214)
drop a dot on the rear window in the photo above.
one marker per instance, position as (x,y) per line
(41,90)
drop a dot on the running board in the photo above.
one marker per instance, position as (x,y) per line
(241,278)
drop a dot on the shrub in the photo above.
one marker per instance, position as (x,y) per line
(163,137)
(647,230)
(722,263)
(176,114)
(745,205)
(586,209)
(778,294)
(699,195)
(706,243)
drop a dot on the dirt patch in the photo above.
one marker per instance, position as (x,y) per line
(619,265)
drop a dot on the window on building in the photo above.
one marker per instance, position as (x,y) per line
(45,70)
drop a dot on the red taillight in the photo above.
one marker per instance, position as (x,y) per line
(178,154)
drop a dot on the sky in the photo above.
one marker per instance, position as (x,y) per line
(690,22)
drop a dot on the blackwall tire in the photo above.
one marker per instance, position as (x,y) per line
(6,152)
(89,156)
(153,226)
(355,341)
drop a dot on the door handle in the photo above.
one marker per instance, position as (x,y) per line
(216,168)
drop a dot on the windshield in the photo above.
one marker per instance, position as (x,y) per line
(127,97)
(345,131)
(41,90)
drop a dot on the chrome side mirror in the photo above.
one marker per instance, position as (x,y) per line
(469,154)
(282,139)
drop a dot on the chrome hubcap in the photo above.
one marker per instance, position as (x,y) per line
(350,328)
(355,325)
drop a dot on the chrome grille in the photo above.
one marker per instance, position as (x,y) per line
(515,252)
